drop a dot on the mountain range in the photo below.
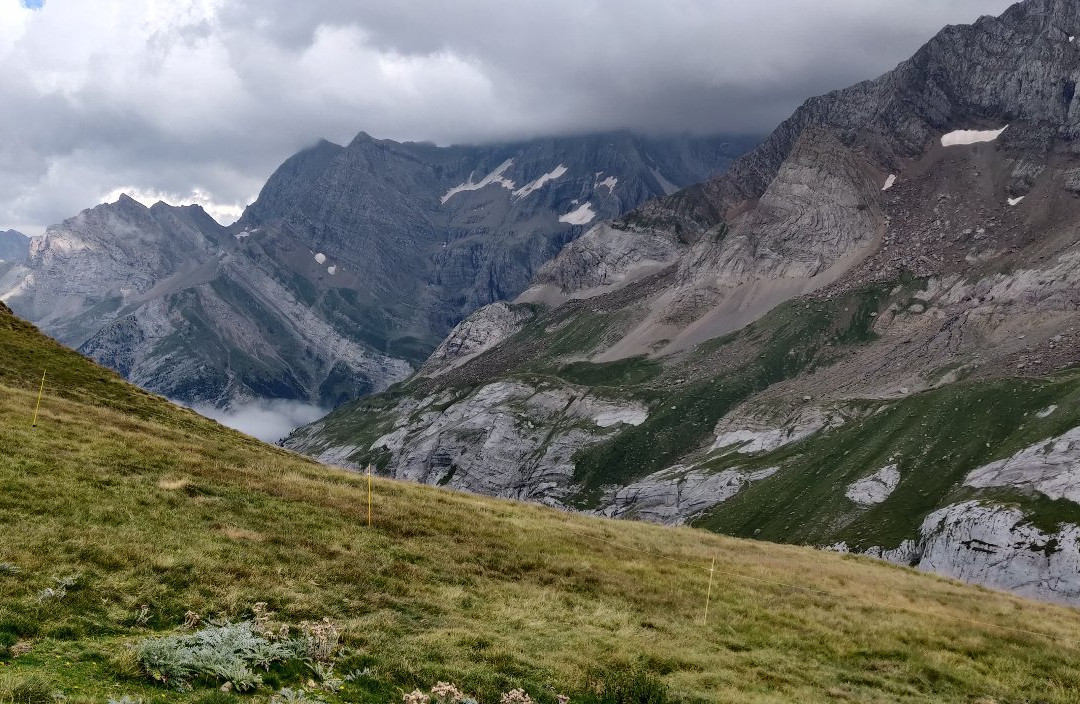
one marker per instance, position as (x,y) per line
(862,336)
(347,270)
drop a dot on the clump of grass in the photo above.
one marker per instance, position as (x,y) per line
(32,689)
(625,685)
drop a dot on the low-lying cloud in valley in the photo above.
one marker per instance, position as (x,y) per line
(267,420)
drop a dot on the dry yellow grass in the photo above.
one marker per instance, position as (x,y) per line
(151,506)
(487,592)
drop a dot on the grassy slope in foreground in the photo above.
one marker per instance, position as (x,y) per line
(154,505)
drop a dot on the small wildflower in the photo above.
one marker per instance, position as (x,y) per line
(447,692)
(563,699)
(516,696)
(415,697)
(191,620)
(321,639)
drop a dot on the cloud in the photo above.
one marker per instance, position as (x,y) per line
(201,99)
(267,420)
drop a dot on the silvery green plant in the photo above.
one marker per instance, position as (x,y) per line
(223,651)
(295,696)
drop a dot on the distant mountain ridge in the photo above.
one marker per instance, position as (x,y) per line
(347,270)
(14,246)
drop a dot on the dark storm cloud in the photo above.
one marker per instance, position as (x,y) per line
(198,100)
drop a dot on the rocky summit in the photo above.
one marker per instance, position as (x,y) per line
(346,271)
(863,336)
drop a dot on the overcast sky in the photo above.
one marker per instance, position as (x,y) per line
(199,100)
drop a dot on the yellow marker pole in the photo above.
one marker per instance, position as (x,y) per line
(708,595)
(41,389)
(369,469)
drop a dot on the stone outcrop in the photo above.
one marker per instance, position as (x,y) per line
(875,488)
(1050,467)
(676,495)
(995,546)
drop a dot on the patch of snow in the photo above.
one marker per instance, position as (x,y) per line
(875,488)
(1046,412)
(889,182)
(332,269)
(495,177)
(582,215)
(961,137)
(610,182)
(539,183)
(1016,201)
(320,258)
(245,233)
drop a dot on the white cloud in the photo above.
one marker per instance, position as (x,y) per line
(268,421)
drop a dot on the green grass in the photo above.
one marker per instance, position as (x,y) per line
(150,505)
(935,437)
(626,372)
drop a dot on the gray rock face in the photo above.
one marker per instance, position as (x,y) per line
(819,216)
(875,488)
(433,234)
(748,434)
(476,334)
(505,439)
(173,301)
(997,547)
(676,495)
(1019,67)
(1051,467)
(347,270)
